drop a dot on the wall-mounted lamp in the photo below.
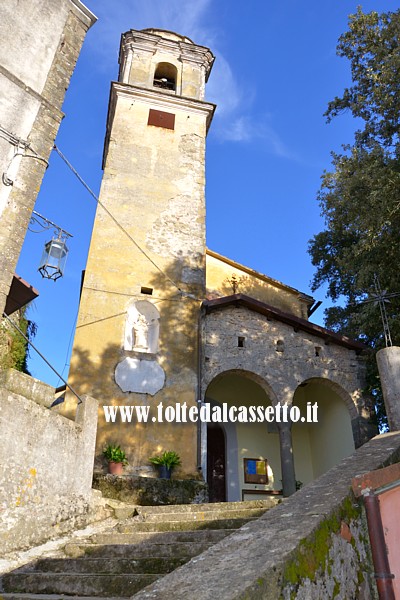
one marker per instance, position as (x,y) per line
(55,251)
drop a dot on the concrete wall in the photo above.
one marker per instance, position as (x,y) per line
(314,546)
(40,43)
(46,463)
(388,360)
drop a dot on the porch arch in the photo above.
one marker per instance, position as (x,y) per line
(239,387)
(319,446)
(246,374)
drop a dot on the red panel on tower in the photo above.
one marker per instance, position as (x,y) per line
(158,118)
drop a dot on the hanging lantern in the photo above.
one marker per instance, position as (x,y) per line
(53,259)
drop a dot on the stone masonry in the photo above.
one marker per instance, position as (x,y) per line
(46,463)
(281,372)
(314,546)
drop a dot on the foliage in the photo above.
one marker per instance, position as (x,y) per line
(360,197)
(114,453)
(372,47)
(14,348)
(169,459)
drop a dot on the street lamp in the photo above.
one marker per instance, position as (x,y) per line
(53,259)
(55,251)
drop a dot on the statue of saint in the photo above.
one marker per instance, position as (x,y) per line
(140,334)
(142,327)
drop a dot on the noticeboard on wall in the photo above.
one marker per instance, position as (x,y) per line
(255,471)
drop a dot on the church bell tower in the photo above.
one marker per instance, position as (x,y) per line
(137,335)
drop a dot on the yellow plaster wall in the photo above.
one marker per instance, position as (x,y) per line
(319,446)
(220,270)
(253,439)
(316,446)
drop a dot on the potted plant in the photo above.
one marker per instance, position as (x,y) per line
(165,462)
(116,459)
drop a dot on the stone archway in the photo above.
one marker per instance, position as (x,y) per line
(245,440)
(319,446)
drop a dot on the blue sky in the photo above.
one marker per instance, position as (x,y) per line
(275,71)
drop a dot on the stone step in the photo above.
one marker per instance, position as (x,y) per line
(119,562)
(154,537)
(72,584)
(22,596)
(207,515)
(130,564)
(174,550)
(211,506)
(160,526)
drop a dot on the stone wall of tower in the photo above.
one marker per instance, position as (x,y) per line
(147,249)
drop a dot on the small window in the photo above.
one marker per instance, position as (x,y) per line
(146,290)
(165,76)
(280,346)
(318,351)
(241,341)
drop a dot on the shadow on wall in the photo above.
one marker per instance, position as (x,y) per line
(99,348)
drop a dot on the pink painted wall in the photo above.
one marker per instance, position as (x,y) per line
(390,512)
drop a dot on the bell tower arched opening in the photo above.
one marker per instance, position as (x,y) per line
(165,76)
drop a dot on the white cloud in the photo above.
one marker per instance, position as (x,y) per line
(244,128)
(117,16)
(233,120)
(223,89)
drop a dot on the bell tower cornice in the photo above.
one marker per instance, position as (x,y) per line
(141,52)
(155,98)
(153,40)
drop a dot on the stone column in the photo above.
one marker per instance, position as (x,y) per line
(287,460)
(388,360)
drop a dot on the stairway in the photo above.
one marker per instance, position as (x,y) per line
(134,553)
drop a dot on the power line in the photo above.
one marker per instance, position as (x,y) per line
(175,298)
(19,144)
(69,345)
(121,227)
(41,356)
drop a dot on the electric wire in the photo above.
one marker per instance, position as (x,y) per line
(43,357)
(121,227)
(175,298)
(19,143)
(66,364)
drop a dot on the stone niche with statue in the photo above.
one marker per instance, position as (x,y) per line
(139,371)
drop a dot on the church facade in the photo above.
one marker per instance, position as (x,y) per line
(163,321)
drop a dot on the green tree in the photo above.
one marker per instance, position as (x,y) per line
(14,349)
(360,197)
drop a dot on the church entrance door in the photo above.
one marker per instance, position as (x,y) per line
(216,464)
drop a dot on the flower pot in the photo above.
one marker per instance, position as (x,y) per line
(164,472)
(115,468)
